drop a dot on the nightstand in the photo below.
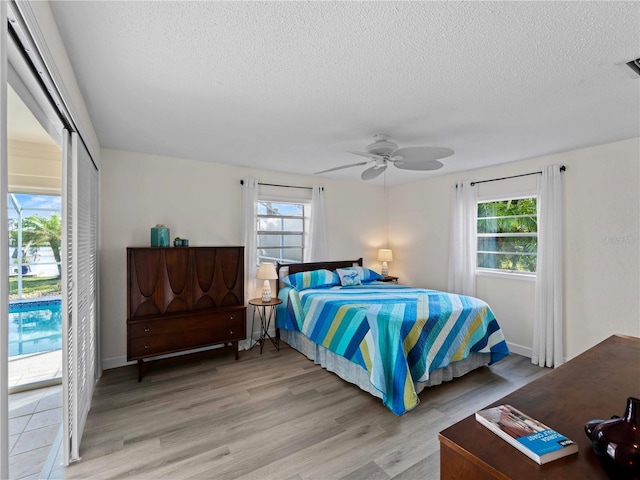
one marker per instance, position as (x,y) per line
(389,278)
(265,320)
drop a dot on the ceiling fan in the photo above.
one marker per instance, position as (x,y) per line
(383,151)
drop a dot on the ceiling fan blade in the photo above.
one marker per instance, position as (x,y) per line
(419,165)
(372,156)
(373,172)
(343,166)
(418,154)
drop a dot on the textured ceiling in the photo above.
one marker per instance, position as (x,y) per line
(290,86)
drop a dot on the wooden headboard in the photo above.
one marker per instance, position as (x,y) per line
(307,267)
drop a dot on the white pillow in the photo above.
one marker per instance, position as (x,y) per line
(348,277)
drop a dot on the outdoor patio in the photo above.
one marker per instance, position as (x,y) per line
(35,416)
(36,367)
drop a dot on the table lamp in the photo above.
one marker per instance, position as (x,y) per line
(385,255)
(266,272)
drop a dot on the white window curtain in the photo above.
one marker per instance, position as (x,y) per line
(317,249)
(548,322)
(463,245)
(249,240)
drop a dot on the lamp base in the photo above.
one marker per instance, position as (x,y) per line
(266,291)
(385,269)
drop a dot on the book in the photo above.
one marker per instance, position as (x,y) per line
(537,441)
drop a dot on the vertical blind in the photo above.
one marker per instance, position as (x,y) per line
(85,247)
(67,294)
(80,210)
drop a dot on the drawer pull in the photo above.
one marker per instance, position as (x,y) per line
(231,317)
(146,329)
(230,331)
(146,346)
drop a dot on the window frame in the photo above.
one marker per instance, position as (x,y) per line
(306,209)
(497,272)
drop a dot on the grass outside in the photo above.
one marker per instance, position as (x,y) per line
(34,287)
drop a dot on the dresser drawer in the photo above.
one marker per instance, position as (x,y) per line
(188,339)
(169,325)
(160,335)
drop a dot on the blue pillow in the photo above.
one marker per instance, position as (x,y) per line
(312,279)
(348,277)
(365,274)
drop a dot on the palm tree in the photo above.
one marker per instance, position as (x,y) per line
(39,231)
(508,216)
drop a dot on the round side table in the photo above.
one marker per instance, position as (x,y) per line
(265,320)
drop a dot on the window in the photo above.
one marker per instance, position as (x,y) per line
(35,233)
(281,231)
(508,235)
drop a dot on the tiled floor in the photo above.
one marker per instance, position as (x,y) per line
(35,416)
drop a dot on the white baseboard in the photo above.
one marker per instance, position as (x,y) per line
(520,350)
(115,362)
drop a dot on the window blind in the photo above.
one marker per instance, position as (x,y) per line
(67,296)
(80,210)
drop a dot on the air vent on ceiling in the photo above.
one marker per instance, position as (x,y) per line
(635,66)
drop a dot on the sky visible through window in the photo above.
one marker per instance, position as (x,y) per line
(282,208)
(34,228)
(35,203)
(290,209)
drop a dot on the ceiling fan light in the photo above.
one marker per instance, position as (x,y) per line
(383,151)
(382,145)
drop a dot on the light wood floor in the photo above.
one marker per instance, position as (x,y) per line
(273,416)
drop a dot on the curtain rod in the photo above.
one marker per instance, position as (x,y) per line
(284,186)
(562,169)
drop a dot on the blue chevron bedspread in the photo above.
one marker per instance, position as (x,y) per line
(398,334)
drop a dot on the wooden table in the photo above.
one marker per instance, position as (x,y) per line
(593,385)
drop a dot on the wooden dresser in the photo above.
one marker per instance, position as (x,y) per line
(183,298)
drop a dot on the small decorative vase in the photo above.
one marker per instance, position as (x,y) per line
(619,437)
(159,236)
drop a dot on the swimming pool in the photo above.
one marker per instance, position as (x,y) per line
(34,327)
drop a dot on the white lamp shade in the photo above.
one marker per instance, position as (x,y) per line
(267,271)
(385,255)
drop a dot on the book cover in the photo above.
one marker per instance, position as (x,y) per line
(531,437)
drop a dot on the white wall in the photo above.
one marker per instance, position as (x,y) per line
(602,246)
(201,201)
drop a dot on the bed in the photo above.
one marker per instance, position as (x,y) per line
(390,340)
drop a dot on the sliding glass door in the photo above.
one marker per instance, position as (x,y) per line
(69,251)
(35,232)
(31,306)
